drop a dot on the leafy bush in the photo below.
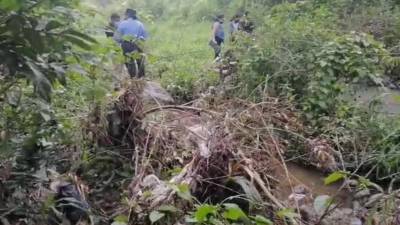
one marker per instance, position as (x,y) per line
(304,59)
(44,52)
(35,47)
(338,64)
(302,53)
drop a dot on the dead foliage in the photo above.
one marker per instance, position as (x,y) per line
(145,155)
(230,138)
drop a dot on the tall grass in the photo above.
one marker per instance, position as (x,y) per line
(180,57)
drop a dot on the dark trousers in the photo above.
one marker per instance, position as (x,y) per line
(134,62)
(217,46)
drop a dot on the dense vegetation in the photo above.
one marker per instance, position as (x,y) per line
(306,59)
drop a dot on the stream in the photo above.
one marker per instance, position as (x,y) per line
(313,180)
(365,96)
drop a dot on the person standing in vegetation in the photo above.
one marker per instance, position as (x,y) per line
(113,25)
(234,26)
(218,35)
(130,34)
(246,24)
(119,71)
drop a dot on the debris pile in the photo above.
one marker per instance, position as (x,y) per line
(147,153)
(219,149)
(207,148)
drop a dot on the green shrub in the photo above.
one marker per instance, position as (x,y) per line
(300,56)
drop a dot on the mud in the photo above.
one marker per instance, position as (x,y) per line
(313,181)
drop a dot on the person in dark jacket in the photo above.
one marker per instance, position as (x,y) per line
(112,26)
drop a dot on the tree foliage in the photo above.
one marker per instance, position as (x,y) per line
(36,37)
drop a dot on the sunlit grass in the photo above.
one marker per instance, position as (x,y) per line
(180,57)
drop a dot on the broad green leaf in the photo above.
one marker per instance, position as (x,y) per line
(334,177)
(118,223)
(152,59)
(321,203)
(189,219)
(260,220)
(174,171)
(364,182)
(168,208)
(53,24)
(77,41)
(155,216)
(41,83)
(233,212)
(287,213)
(80,35)
(135,55)
(203,211)
(183,191)
(120,220)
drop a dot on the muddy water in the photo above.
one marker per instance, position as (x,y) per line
(389,99)
(313,180)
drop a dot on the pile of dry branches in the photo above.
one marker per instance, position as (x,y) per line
(229,138)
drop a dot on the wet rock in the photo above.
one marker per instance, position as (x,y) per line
(300,196)
(297,199)
(341,216)
(301,189)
